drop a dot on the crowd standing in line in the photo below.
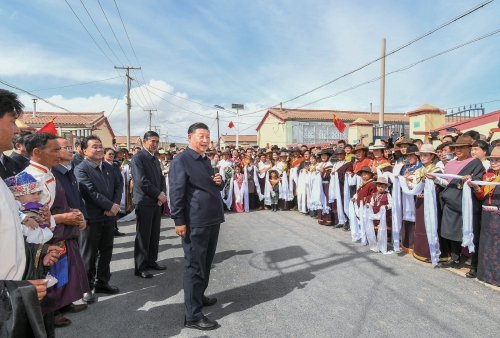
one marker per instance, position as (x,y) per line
(61,205)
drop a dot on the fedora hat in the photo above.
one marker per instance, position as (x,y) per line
(283,153)
(340,150)
(326,151)
(428,148)
(463,140)
(382,180)
(495,153)
(405,140)
(364,169)
(412,150)
(360,146)
(296,149)
(377,145)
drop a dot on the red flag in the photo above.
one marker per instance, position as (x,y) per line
(338,123)
(231,124)
(49,127)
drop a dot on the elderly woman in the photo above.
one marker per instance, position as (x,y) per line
(421,250)
(485,265)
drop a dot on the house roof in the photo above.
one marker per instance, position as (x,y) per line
(84,119)
(241,138)
(345,115)
(472,122)
(123,139)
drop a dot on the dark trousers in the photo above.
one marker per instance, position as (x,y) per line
(96,247)
(48,322)
(251,200)
(455,249)
(199,250)
(147,238)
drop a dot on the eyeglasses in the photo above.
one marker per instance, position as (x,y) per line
(68,148)
(111,154)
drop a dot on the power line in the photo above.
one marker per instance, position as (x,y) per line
(387,54)
(38,97)
(90,16)
(473,104)
(133,50)
(117,99)
(405,67)
(77,84)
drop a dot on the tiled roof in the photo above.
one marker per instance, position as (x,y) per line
(346,116)
(123,139)
(241,138)
(471,123)
(61,118)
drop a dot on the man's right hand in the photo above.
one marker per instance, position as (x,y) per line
(180,230)
(69,218)
(41,287)
(162,197)
(115,209)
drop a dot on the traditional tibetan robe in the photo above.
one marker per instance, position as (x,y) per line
(421,244)
(408,227)
(451,197)
(276,190)
(340,167)
(364,163)
(377,201)
(325,218)
(384,165)
(312,172)
(281,166)
(364,192)
(238,191)
(43,174)
(488,268)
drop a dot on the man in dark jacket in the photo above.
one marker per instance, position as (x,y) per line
(101,190)
(196,207)
(20,156)
(78,156)
(149,196)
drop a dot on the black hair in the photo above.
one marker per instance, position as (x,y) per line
(452,137)
(472,133)
(10,103)
(481,144)
(86,139)
(21,137)
(341,141)
(198,125)
(150,134)
(78,141)
(348,145)
(108,149)
(444,144)
(418,140)
(38,140)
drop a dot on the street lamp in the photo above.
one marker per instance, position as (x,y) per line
(218,137)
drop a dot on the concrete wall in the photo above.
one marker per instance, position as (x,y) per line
(103,133)
(272,132)
(425,122)
(358,128)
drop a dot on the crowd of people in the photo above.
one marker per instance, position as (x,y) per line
(61,206)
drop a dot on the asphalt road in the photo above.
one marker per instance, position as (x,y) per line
(283,275)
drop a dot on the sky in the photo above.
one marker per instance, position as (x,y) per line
(256,53)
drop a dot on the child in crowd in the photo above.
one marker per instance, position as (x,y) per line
(238,189)
(367,188)
(380,198)
(26,191)
(274,181)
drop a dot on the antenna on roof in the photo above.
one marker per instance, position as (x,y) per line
(281,106)
(34,107)
(371,108)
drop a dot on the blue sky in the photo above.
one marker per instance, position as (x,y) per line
(253,52)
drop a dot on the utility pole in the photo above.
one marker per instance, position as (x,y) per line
(382,86)
(218,136)
(237,106)
(150,115)
(129,102)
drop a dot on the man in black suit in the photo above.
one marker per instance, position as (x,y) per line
(149,196)
(20,156)
(196,207)
(101,190)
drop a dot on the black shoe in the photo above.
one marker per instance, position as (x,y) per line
(472,273)
(338,226)
(72,308)
(451,264)
(61,321)
(144,274)
(106,288)
(209,301)
(202,324)
(88,297)
(157,267)
(118,233)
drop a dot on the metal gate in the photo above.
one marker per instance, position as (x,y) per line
(464,113)
(395,129)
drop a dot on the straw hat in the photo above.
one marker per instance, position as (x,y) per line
(463,140)
(268,151)
(495,153)
(377,145)
(428,148)
(364,169)
(382,180)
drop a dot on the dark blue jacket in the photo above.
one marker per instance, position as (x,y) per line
(69,183)
(99,190)
(195,199)
(149,181)
(20,161)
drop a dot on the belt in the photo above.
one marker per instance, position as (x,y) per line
(326,181)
